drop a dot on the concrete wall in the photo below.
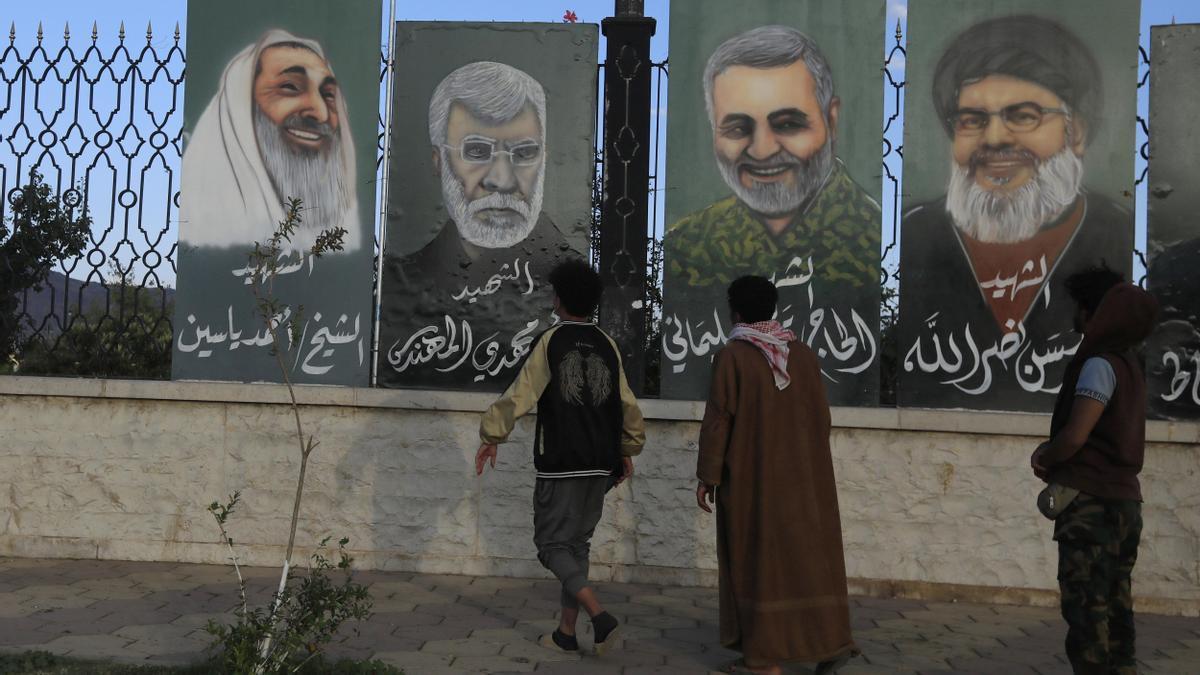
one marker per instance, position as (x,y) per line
(936,504)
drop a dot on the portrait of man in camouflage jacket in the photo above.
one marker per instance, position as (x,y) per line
(795,215)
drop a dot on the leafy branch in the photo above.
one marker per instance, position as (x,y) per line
(299,619)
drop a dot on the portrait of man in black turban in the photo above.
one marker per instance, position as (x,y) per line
(1020,99)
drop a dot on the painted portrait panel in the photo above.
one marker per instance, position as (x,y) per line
(492,191)
(1018,171)
(775,118)
(281,104)
(1172,228)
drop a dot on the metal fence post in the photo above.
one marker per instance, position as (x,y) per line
(626,175)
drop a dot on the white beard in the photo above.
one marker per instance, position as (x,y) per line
(491,230)
(780,199)
(316,178)
(996,216)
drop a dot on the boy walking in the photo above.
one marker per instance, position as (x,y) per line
(589,427)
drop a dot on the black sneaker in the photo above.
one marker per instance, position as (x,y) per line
(560,640)
(604,625)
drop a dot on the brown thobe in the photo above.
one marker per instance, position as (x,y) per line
(779,538)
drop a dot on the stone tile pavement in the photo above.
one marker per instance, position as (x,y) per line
(429,624)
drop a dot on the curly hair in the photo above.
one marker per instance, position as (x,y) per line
(577,286)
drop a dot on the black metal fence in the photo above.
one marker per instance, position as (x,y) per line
(101,125)
(101,122)
(1143,137)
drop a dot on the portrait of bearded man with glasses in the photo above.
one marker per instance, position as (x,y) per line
(489,152)
(485,270)
(1020,99)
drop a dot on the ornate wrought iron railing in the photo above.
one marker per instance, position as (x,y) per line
(102,126)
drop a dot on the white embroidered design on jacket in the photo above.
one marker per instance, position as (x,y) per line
(576,373)
(599,379)
(571,377)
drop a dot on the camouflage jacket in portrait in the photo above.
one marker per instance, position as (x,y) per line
(826,264)
(839,230)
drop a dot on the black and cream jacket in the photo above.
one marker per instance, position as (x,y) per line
(587,417)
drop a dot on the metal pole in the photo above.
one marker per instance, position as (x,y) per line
(383,190)
(630,8)
(625,210)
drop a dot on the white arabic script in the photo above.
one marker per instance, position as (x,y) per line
(1184,370)
(452,345)
(972,368)
(1018,282)
(288,262)
(514,272)
(844,345)
(318,342)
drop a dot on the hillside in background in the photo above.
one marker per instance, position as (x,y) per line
(61,295)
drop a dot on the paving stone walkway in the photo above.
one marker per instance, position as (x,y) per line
(431,624)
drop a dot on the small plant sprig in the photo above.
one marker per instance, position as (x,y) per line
(305,614)
(221,512)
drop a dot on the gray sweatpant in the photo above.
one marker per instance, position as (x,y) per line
(565,513)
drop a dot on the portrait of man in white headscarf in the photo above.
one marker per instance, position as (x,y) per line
(277,129)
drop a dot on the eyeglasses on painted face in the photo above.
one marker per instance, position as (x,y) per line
(482,150)
(1018,117)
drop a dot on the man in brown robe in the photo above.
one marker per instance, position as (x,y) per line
(764,452)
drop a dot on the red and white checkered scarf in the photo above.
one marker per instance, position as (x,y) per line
(772,340)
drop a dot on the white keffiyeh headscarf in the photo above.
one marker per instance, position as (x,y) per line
(772,340)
